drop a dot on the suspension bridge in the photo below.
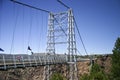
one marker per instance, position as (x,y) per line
(61,31)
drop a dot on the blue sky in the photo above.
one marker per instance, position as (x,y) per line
(98,22)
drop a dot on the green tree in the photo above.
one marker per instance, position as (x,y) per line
(96,74)
(116,61)
(57,76)
(85,77)
(95,69)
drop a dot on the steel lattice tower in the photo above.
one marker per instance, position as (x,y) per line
(50,50)
(71,47)
(50,36)
(61,31)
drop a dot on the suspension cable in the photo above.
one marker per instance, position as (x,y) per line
(14,29)
(80,36)
(42,29)
(1,7)
(23,19)
(30,6)
(39,32)
(79,52)
(63,4)
(29,35)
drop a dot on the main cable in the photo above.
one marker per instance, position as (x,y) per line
(30,6)
(63,4)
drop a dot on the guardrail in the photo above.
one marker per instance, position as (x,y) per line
(15,61)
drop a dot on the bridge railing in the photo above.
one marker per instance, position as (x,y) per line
(14,61)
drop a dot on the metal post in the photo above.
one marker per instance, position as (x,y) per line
(4,62)
(29,60)
(14,61)
(35,61)
(23,61)
(40,61)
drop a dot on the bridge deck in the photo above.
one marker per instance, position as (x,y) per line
(15,61)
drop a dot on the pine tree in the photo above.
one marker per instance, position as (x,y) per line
(116,61)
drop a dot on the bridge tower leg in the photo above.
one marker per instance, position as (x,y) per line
(71,47)
(60,22)
(50,50)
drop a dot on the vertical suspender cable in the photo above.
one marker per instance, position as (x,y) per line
(14,28)
(29,35)
(40,33)
(37,22)
(80,37)
(42,29)
(23,28)
(27,5)
(45,23)
(38,30)
(1,7)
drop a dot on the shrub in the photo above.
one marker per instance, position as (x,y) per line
(57,76)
